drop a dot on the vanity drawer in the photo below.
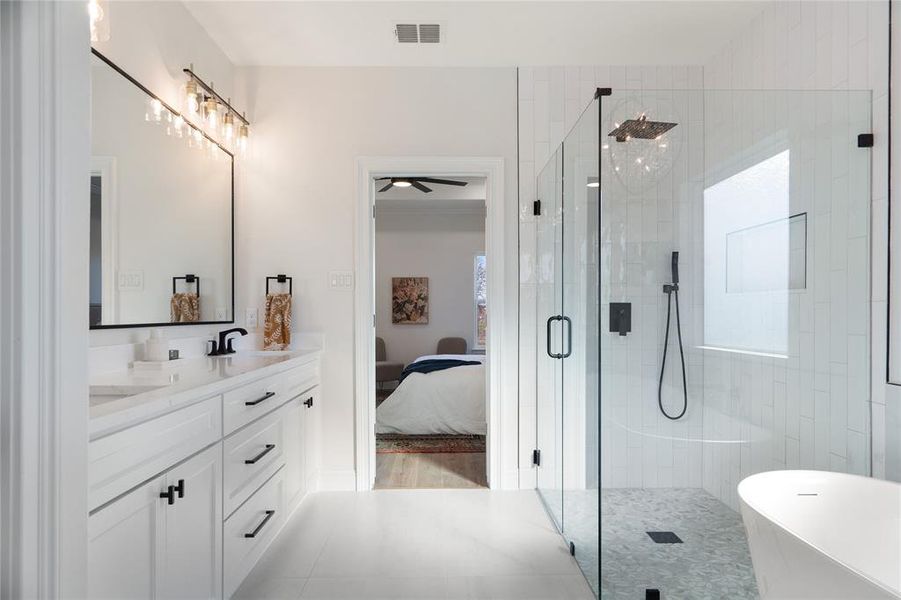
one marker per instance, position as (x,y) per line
(301,379)
(122,460)
(251,401)
(250,530)
(252,455)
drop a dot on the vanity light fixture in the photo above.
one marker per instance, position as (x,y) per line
(157,111)
(192,98)
(243,135)
(228,127)
(99,21)
(220,118)
(154,112)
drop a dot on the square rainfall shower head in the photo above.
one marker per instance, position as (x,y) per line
(641,129)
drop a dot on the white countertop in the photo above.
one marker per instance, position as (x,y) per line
(124,398)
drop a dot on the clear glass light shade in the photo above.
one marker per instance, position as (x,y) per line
(192,101)
(178,126)
(211,114)
(639,163)
(243,139)
(98,15)
(228,127)
(154,111)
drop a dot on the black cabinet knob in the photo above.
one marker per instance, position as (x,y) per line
(169,495)
(180,488)
(309,402)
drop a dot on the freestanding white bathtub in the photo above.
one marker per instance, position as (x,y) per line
(815,534)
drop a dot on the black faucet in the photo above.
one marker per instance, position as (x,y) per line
(223,348)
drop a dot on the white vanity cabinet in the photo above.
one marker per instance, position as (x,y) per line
(184,503)
(146,545)
(302,423)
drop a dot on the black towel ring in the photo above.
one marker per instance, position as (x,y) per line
(189,278)
(281,278)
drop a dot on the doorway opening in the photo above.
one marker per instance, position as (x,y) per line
(474,461)
(431,324)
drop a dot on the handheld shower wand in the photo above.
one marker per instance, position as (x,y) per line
(672,291)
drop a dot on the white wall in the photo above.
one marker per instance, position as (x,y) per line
(297,214)
(153,42)
(440,245)
(828,46)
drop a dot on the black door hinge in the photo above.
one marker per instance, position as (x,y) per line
(572,549)
(536,208)
(865,140)
(536,457)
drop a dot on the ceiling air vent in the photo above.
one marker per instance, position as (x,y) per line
(410,33)
(429,34)
(406,33)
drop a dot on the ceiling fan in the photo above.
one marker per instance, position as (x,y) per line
(417,182)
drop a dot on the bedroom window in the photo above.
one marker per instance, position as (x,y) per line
(481,303)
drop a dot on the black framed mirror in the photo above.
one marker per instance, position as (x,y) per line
(162,211)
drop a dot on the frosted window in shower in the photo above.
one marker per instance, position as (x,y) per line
(754,255)
(746,250)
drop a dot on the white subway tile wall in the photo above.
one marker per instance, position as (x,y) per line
(811,409)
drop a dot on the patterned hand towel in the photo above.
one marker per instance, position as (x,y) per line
(277,324)
(184,307)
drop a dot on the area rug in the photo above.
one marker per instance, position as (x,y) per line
(393,443)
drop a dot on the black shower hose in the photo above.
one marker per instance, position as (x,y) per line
(669,307)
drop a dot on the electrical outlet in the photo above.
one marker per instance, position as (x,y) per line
(251,318)
(341,280)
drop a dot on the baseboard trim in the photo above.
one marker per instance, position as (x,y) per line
(528,479)
(337,481)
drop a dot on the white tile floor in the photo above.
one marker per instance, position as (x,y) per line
(418,544)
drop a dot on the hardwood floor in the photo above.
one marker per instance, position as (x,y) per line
(407,471)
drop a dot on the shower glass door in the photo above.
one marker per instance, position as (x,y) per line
(580,424)
(549,336)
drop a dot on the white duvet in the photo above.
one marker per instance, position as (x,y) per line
(451,401)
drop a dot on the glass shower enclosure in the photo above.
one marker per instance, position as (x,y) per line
(702,311)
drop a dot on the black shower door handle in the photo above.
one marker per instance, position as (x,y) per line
(569,337)
(550,321)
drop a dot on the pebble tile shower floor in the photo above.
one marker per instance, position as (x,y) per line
(712,562)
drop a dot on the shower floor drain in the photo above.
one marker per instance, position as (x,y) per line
(664,537)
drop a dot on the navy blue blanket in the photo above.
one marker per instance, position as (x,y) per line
(437,364)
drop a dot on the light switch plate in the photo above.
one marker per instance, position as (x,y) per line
(131,281)
(341,280)
(251,318)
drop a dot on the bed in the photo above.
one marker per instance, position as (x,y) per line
(447,400)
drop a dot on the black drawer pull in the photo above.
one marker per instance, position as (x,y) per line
(180,488)
(309,402)
(262,524)
(258,400)
(269,448)
(169,494)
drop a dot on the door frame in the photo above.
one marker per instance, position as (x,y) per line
(369,167)
(45,110)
